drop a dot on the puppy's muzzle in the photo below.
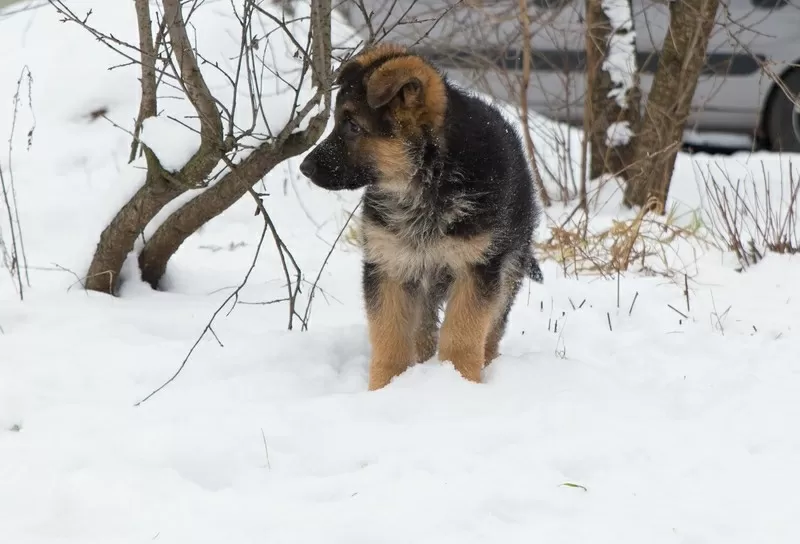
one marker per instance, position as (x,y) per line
(308,167)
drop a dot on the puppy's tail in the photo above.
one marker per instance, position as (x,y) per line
(533,270)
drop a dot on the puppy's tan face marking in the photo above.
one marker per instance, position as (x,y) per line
(390,157)
(370,144)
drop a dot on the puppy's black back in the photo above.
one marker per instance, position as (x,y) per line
(487,160)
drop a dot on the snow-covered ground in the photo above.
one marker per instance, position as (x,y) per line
(610,416)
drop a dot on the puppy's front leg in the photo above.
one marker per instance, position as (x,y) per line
(468,318)
(390,313)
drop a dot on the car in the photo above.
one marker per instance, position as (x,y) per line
(749,85)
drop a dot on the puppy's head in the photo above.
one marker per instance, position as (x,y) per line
(390,102)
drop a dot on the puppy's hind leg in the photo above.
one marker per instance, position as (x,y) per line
(427,335)
(512,284)
(427,332)
(497,332)
(468,319)
(492,349)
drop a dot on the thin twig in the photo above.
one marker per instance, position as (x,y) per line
(13,264)
(307,313)
(207,327)
(283,252)
(630,311)
(523,97)
(686,292)
(677,311)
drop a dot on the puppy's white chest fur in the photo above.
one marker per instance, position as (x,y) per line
(414,259)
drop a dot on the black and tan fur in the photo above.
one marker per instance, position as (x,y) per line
(448,214)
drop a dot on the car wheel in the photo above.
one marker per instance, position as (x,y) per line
(783,124)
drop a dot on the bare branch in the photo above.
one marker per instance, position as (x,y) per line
(523,93)
(148,106)
(191,78)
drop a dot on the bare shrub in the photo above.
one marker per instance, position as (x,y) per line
(240,137)
(12,252)
(752,217)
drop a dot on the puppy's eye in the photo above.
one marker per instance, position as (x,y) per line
(351,128)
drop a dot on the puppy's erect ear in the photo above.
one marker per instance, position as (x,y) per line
(419,88)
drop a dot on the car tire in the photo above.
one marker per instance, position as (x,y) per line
(783,122)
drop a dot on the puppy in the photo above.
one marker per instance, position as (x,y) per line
(448,216)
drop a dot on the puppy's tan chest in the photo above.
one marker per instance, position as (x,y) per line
(408,260)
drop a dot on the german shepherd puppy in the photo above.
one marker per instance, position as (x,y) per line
(448,212)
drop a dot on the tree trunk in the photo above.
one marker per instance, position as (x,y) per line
(117,239)
(160,187)
(682,58)
(614,113)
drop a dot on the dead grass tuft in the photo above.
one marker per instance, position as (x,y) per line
(644,243)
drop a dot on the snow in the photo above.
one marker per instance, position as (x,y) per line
(173,143)
(620,60)
(619,134)
(618,411)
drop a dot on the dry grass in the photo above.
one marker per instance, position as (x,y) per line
(647,243)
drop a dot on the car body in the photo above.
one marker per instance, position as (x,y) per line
(479,44)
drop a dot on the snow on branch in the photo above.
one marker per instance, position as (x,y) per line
(619,134)
(620,61)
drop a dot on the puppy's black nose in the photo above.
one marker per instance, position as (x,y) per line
(308,168)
